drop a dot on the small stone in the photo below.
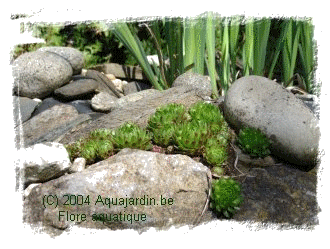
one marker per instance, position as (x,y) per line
(103,102)
(111,76)
(78,165)
(28,190)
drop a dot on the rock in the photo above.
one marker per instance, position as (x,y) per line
(103,102)
(129,73)
(23,109)
(79,89)
(72,55)
(105,84)
(42,162)
(312,102)
(57,132)
(119,84)
(37,74)
(112,77)
(134,97)
(27,191)
(279,194)
(135,86)
(194,81)
(139,189)
(78,165)
(45,104)
(261,103)
(138,112)
(46,121)
(82,106)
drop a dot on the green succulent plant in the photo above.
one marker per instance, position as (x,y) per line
(164,136)
(216,150)
(130,135)
(190,137)
(163,122)
(207,112)
(226,196)
(95,147)
(170,114)
(73,150)
(253,142)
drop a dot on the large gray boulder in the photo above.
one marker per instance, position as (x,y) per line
(132,190)
(37,74)
(259,102)
(72,55)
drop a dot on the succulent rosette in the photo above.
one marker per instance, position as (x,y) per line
(172,113)
(207,112)
(130,135)
(95,147)
(226,196)
(216,151)
(164,121)
(253,142)
(190,137)
(164,136)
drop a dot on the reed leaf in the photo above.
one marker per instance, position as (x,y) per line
(210,46)
(133,44)
(307,52)
(248,47)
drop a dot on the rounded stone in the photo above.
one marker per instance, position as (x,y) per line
(261,103)
(72,55)
(37,74)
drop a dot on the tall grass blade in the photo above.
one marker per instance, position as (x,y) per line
(248,47)
(133,44)
(210,46)
(307,52)
(261,35)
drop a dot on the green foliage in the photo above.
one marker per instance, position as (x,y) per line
(253,142)
(95,147)
(216,150)
(130,135)
(172,113)
(164,121)
(206,112)
(226,197)
(190,137)
(202,130)
(203,133)
(209,114)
